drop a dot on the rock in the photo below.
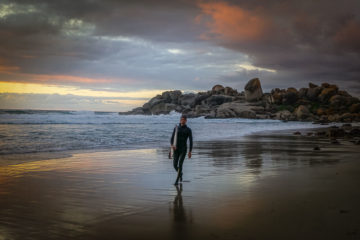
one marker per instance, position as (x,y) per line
(171,96)
(302,112)
(202,110)
(217,89)
(290,97)
(347,117)
(355,108)
(283,115)
(338,100)
(325,85)
(230,91)
(334,118)
(162,108)
(302,92)
(320,111)
(253,90)
(268,98)
(135,111)
(234,109)
(277,95)
(311,85)
(327,93)
(312,93)
(320,104)
(188,99)
(217,100)
(247,114)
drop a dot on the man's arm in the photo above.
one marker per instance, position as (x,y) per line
(190,139)
(172,137)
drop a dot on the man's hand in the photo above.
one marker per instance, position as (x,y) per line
(173,147)
(189,154)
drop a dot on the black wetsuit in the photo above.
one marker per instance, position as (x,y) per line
(184,132)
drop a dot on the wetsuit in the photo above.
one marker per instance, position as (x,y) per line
(184,132)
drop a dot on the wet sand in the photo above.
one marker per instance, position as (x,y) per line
(258,187)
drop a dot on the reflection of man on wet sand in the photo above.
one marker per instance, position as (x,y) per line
(179,211)
(181,218)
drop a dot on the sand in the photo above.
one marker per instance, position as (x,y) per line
(259,187)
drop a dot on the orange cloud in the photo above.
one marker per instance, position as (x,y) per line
(8,69)
(64,78)
(349,35)
(230,22)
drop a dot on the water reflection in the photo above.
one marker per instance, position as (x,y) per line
(181,218)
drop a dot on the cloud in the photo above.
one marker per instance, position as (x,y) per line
(66,102)
(307,41)
(231,22)
(180,44)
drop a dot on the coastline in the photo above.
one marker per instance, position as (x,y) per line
(16,158)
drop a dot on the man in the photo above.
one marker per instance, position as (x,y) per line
(183,133)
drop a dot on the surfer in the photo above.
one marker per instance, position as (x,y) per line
(178,143)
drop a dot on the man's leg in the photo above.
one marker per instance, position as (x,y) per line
(181,157)
(176,160)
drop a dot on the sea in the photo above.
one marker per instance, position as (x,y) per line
(34,131)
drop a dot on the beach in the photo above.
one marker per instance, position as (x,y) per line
(260,186)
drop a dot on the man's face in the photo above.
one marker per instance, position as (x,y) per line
(182,121)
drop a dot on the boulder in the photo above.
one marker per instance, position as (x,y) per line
(188,99)
(253,90)
(347,117)
(230,91)
(290,96)
(312,85)
(355,108)
(312,93)
(302,92)
(217,100)
(327,93)
(277,95)
(200,97)
(302,112)
(338,100)
(235,109)
(154,101)
(202,110)
(284,115)
(162,108)
(171,96)
(217,89)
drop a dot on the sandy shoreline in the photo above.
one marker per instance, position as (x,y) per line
(261,187)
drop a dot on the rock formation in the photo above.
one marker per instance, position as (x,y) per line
(322,104)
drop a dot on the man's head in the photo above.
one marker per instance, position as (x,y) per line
(183,119)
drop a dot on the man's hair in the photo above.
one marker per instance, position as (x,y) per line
(184,116)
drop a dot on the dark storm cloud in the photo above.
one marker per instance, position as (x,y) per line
(302,40)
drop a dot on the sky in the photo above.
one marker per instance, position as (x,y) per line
(114,55)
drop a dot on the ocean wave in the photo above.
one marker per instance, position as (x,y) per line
(41,132)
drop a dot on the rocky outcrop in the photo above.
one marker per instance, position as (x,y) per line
(253,90)
(322,104)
